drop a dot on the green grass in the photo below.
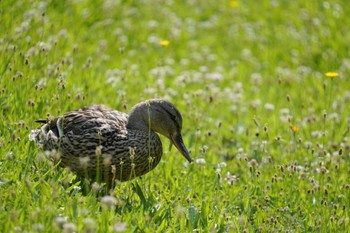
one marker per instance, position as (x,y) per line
(250,82)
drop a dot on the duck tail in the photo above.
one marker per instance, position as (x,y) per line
(48,135)
(37,135)
(41,121)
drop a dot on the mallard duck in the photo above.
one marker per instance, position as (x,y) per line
(103,144)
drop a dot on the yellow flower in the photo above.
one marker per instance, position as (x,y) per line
(234,4)
(164,43)
(332,74)
(294,128)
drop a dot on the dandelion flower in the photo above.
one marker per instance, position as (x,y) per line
(234,4)
(332,74)
(164,43)
(294,128)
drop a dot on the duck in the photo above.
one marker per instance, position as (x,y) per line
(106,145)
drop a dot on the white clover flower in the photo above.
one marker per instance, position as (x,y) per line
(69,228)
(269,106)
(119,227)
(84,161)
(222,165)
(108,202)
(200,161)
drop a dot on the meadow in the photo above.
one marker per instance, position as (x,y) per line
(264,92)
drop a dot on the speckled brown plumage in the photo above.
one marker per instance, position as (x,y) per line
(104,144)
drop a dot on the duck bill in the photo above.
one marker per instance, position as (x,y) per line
(179,144)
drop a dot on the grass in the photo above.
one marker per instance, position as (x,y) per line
(269,130)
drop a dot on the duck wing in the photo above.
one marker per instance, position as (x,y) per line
(82,129)
(93,119)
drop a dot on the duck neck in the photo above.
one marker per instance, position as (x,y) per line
(139,118)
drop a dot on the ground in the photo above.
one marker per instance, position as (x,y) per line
(263,88)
